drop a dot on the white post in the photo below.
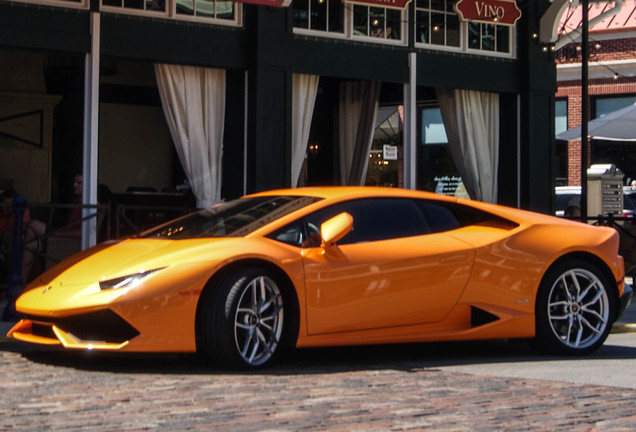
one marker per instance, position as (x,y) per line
(91,124)
(410,121)
(518,151)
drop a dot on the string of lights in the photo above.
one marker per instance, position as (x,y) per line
(597,46)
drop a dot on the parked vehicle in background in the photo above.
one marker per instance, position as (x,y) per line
(571,195)
(629,203)
(567,196)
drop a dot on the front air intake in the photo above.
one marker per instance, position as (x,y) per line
(104,326)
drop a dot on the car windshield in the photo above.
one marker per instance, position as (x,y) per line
(232,219)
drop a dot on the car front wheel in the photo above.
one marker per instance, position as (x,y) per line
(242,321)
(575,309)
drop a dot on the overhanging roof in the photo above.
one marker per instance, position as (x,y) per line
(561,24)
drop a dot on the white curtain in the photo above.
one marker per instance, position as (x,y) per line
(471,120)
(193,100)
(304,90)
(358,108)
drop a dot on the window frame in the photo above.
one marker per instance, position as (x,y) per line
(463,37)
(558,102)
(171,13)
(611,97)
(82,4)
(348,28)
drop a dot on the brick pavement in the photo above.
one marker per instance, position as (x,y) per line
(340,389)
(361,389)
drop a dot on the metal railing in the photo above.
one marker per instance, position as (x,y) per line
(134,219)
(626,227)
(62,238)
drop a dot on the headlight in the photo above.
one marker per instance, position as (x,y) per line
(129,281)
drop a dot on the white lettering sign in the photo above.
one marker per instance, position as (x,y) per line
(489,11)
(390,152)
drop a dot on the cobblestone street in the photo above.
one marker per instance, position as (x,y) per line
(365,389)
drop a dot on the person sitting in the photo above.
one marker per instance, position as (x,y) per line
(32,232)
(572,211)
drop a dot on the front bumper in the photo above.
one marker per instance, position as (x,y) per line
(101,329)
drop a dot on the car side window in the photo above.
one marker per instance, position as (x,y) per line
(292,234)
(445,216)
(387,218)
(439,216)
(375,219)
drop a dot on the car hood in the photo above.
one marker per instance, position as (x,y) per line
(115,259)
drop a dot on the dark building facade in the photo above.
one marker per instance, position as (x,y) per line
(89,70)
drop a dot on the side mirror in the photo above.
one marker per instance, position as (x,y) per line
(336,228)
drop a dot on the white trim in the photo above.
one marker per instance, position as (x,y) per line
(83,4)
(347,32)
(319,33)
(518,151)
(596,70)
(371,39)
(463,46)
(171,13)
(611,34)
(91,133)
(245,129)
(410,124)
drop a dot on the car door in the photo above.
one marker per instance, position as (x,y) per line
(391,270)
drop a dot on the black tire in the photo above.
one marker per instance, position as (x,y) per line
(575,309)
(242,319)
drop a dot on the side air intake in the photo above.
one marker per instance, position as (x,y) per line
(479,317)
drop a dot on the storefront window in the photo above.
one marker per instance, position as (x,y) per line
(319,15)
(61,3)
(386,149)
(433,131)
(148,5)
(204,9)
(337,19)
(376,22)
(489,37)
(619,153)
(437,23)
(607,105)
(560,116)
(436,171)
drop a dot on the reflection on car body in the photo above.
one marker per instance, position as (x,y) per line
(333,266)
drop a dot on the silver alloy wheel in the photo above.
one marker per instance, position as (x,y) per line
(258,322)
(578,308)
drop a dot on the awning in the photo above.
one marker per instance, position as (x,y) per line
(619,125)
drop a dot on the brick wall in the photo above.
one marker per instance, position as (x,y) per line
(607,50)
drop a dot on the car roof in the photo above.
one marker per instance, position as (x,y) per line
(348,192)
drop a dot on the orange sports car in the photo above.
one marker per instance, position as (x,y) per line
(334,266)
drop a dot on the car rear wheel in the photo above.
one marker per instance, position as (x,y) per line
(242,321)
(575,309)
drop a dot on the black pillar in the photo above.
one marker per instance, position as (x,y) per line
(536,118)
(269,103)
